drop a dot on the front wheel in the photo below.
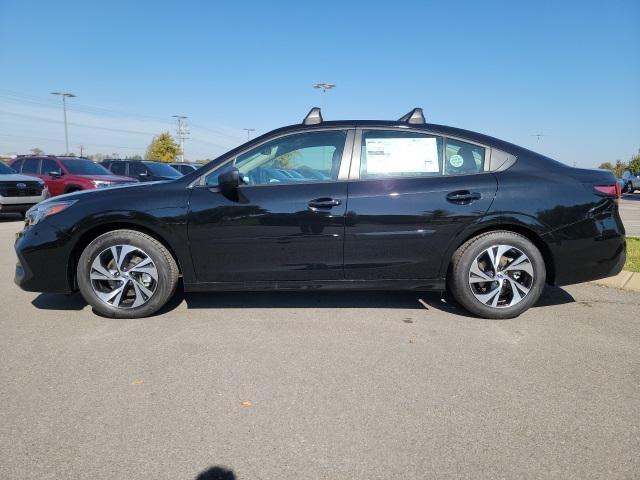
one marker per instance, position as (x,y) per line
(126,274)
(497,275)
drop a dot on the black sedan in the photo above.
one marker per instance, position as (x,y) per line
(336,205)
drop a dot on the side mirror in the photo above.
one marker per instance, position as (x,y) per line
(229,181)
(55,174)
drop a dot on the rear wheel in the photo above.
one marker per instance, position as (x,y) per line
(126,274)
(497,275)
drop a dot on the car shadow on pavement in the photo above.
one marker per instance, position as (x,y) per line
(10,217)
(633,197)
(296,299)
(216,473)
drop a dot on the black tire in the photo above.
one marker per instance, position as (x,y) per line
(465,256)
(165,264)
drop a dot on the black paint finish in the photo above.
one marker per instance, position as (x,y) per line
(378,234)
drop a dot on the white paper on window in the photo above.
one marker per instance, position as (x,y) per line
(402,155)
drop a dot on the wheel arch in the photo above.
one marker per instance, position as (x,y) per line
(72,188)
(91,234)
(532,235)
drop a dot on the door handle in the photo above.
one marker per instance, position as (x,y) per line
(463,197)
(323,203)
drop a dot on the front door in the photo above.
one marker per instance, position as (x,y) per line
(284,223)
(413,194)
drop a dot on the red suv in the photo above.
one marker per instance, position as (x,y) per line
(67,174)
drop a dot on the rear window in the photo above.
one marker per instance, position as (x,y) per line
(463,158)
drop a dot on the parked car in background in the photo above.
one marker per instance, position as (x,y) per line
(378,205)
(632,182)
(67,174)
(186,167)
(141,170)
(18,193)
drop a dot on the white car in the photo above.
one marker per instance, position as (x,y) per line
(18,192)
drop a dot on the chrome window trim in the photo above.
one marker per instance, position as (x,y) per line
(201,180)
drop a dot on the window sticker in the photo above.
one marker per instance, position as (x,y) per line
(402,155)
(456,161)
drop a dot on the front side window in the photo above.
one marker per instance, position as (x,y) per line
(385,153)
(49,166)
(463,158)
(302,157)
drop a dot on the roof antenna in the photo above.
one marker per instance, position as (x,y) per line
(314,117)
(415,116)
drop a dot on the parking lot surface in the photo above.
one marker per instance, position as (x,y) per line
(630,213)
(318,385)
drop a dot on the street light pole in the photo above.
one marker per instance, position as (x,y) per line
(64,96)
(324,87)
(182,132)
(249,130)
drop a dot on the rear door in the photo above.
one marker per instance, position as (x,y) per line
(410,194)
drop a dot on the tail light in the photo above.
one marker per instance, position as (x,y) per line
(609,190)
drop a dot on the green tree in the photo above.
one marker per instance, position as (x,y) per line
(163,148)
(606,166)
(37,151)
(619,168)
(634,163)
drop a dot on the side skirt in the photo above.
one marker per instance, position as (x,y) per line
(412,284)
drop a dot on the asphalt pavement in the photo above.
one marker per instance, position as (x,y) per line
(630,213)
(318,385)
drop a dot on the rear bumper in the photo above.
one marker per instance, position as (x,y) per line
(592,249)
(43,253)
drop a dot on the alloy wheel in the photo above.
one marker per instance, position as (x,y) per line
(501,276)
(123,276)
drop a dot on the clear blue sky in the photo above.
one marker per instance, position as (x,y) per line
(567,69)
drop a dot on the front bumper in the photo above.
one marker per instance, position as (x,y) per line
(43,259)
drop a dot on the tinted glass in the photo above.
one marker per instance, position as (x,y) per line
(163,170)
(137,168)
(303,157)
(16,165)
(49,166)
(386,153)
(463,158)
(84,167)
(118,168)
(30,165)
(6,170)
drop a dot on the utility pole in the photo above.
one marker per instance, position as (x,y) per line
(81,150)
(182,132)
(64,96)
(249,130)
(323,86)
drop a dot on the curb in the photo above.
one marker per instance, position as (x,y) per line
(625,280)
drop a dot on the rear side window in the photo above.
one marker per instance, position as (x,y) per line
(16,165)
(31,165)
(117,168)
(385,153)
(463,158)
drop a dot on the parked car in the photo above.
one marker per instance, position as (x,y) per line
(186,167)
(67,174)
(380,205)
(142,170)
(632,182)
(18,192)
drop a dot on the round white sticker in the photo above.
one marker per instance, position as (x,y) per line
(456,161)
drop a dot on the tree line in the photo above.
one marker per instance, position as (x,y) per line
(619,167)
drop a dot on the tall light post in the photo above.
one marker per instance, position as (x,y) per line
(64,96)
(323,86)
(249,130)
(182,132)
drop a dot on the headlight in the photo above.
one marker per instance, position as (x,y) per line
(46,209)
(100,183)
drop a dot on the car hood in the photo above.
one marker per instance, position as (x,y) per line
(109,178)
(16,177)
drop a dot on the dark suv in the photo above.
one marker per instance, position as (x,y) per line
(67,174)
(142,170)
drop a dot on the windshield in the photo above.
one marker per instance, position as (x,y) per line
(5,170)
(163,170)
(84,167)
